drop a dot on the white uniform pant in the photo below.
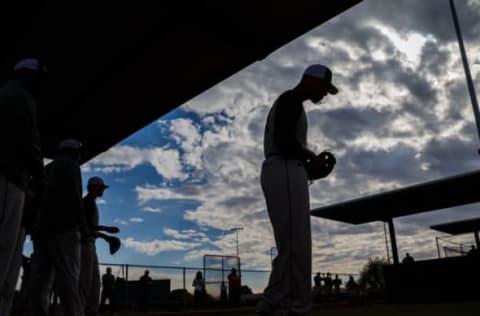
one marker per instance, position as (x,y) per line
(8,291)
(60,253)
(89,279)
(11,210)
(285,186)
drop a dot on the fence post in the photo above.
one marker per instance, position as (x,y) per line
(184,276)
(126,286)
(438,247)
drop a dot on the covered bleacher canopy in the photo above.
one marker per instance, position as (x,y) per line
(425,197)
(115,67)
(461,227)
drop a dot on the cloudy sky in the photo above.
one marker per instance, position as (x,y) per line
(403,116)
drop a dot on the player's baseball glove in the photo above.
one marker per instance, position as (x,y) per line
(321,166)
(114,243)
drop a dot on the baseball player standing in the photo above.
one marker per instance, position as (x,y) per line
(89,282)
(22,173)
(284,182)
(56,239)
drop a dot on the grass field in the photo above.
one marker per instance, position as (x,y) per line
(406,310)
(466,309)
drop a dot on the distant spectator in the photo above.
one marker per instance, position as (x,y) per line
(234,286)
(223,292)
(317,287)
(317,281)
(473,251)
(146,283)
(199,291)
(108,289)
(246,290)
(408,259)
(336,284)
(351,284)
(328,285)
(352,289)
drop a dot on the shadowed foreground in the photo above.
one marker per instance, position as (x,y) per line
(460,309)
(411,310)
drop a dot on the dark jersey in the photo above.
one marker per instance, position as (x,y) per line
(91,216)
(62,206)
(286,128)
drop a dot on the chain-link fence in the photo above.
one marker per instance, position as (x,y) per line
(451,248)
(173,283)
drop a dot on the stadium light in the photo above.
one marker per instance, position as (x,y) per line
(468,76)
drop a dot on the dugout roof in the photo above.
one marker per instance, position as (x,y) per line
(115,67)
(459,227)
(429,196)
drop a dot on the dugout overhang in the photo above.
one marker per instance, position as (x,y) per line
(461,227)
(115,67)
(425,197)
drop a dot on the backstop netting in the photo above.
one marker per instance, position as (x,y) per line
(216,269)
(454,251)
(451,246)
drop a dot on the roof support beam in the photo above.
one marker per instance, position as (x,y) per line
(393,240)
(477,239)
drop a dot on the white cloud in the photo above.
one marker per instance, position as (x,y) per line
(186,234)
(135,220)
(122,158)
(409,44)
(149,193)
(152,209)
(120,221)
(186,133)
(154,247)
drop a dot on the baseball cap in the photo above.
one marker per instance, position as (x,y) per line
(321,72)
(30,64)
(97,181)
(70,143)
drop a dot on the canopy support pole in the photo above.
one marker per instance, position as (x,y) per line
(393,240)
(477,239)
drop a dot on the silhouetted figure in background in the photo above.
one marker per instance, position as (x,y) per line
(108,291)
(328,285)
(284,182)
(473,251)
(352,289)
(199,291)
(317,287)
(337,282)
(408,259)
(61,226)
(146,283)
(317,281)
(234,286)
(21,168)
(89,283)
(223,292)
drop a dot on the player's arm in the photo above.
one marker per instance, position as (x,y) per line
(108,229)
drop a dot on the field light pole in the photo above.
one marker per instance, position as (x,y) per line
(236,229)
(468,76)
